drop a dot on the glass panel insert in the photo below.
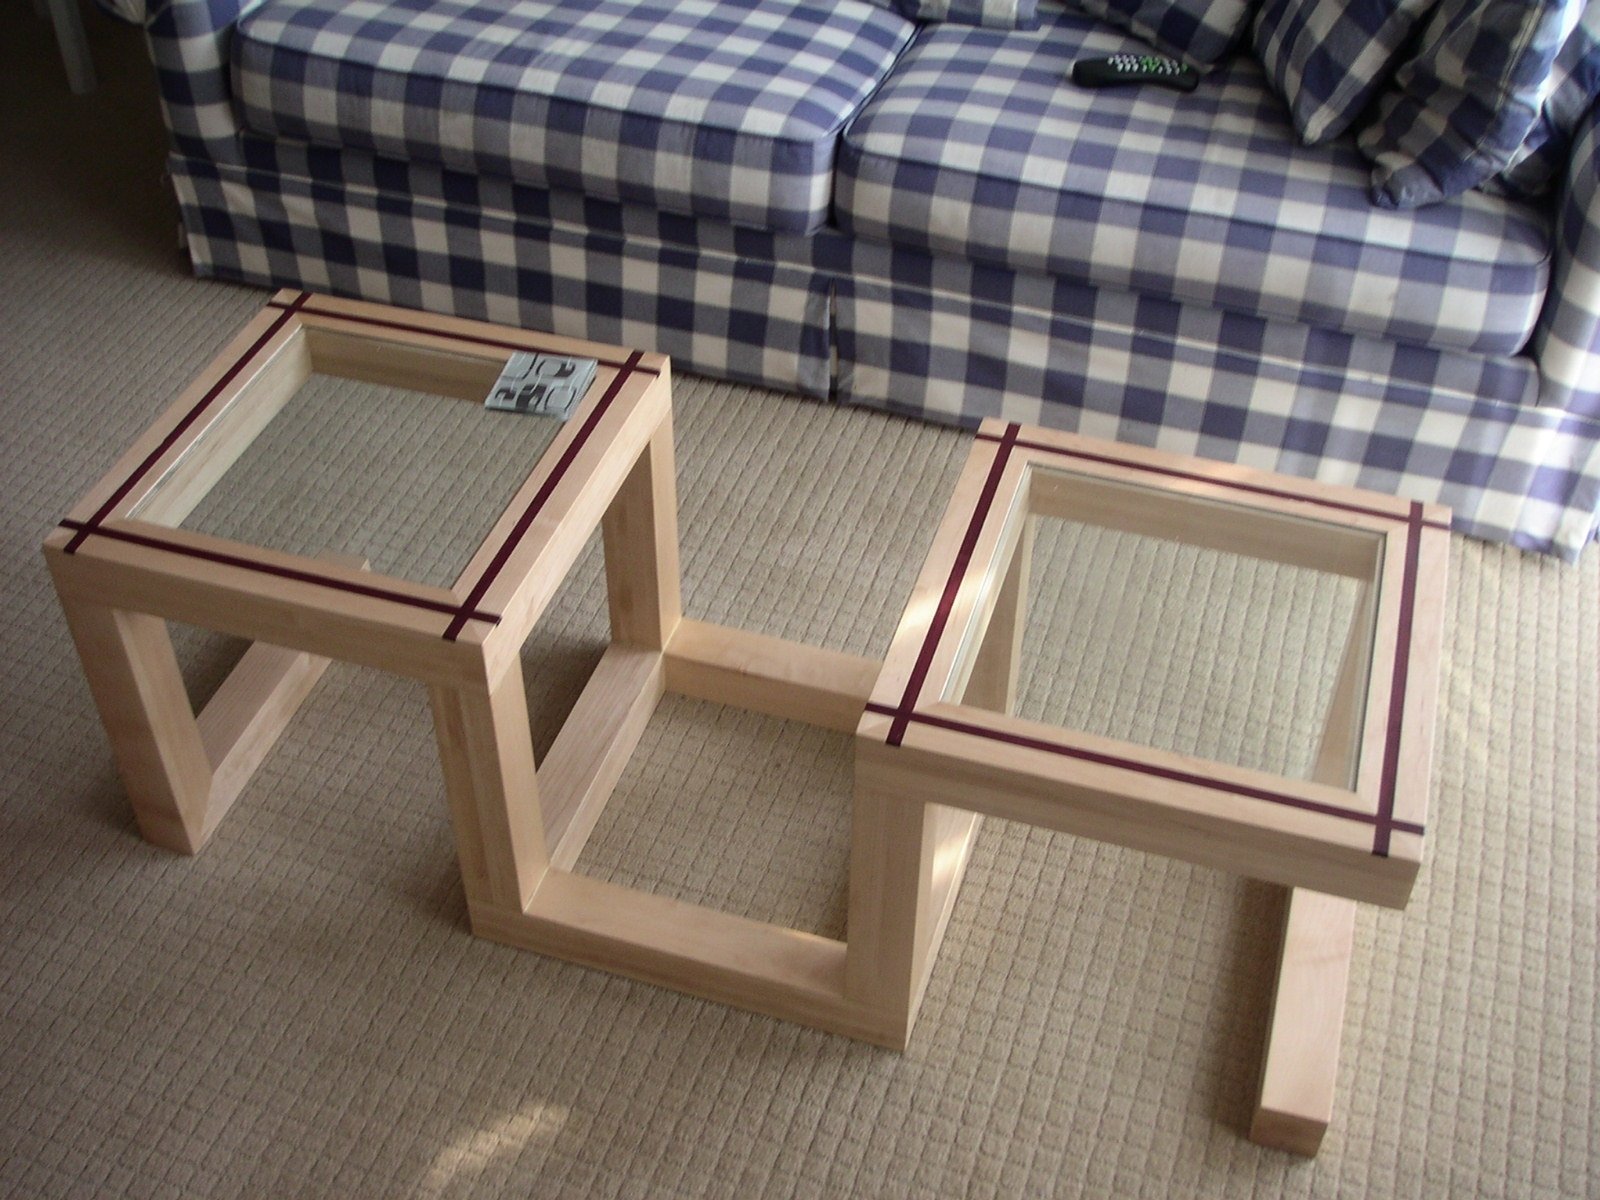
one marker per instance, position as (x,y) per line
(410,480)
(1186,648)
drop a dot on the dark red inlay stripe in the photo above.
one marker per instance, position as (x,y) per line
(475,339)
(1397,690)
(189,418)
(529,514)
(952,587)
(1174,473)
(374,591)
(1132,764)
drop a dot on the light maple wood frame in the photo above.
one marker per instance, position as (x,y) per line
(938,745)
(122,570)
(122,567)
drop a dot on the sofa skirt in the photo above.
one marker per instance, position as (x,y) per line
(1452,428)
(935,339)
(536,260)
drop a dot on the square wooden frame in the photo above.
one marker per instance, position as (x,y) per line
(122,566)
(121,574)
(927,765)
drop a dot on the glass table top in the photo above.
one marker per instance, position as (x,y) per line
(1189,649)
(410,480)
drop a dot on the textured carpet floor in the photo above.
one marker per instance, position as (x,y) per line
(300,1010)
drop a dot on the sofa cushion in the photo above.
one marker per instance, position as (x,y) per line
(1200,32)
(1460,110)
(996,14)
(977,145)
(1570,91)
(1329,58)
(728,109)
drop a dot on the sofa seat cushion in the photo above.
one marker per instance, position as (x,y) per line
(978,145)
(728,109)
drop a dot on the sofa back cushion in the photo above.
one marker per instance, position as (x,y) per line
(1329,58)
(1200,32)
(1570,91)
(978,146)
(1459,111)
(728,109)
(996,14)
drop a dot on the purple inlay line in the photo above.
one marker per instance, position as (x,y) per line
(1175,473)
(503,555)
(234,560)
(1211,783)
(451,335)
(1397,690)
(952,587)
(92,525)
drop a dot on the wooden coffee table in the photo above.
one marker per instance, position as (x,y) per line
(123,567)
(937,745)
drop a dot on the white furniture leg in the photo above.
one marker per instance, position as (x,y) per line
(74,46)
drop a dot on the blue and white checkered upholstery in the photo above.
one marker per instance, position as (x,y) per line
(131,11)
(1568,338)
(728,110)
(1569,93)
(938,339)
(1460,429)
(724,300)
(996,14)
(188,44)
(1329,58)
(977,146)
(1458,112)
(1200,32)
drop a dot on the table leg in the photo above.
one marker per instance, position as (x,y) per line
(907,860)
(993,682)
(890,907)
(486,751)
(640,531)
(133,675)
(1301,1063)
(182,772)
(907,857)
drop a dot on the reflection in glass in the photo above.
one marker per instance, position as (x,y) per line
(1182,648)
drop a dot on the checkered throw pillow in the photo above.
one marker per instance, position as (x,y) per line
(1200,32)
(996,14)
(1571,89)
(1328,58)
(131,11)
(1459,112)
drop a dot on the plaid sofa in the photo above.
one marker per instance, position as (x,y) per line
(822,196)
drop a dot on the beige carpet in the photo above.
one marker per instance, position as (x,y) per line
(300,1010)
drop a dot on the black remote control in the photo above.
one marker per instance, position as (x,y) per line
(1134,68)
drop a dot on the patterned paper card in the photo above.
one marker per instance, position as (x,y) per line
(546,385)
